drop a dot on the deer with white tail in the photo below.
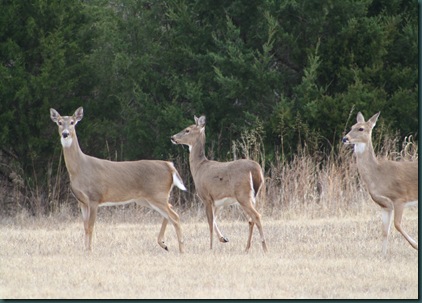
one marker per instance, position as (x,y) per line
(97,182)
(222,183)
(393,185)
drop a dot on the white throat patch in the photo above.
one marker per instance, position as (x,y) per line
(359,148)
(66,142)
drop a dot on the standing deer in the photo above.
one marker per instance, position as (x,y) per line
(222,183)
(97,182)
(392,185)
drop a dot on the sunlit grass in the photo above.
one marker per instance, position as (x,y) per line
(322,229)
(307,258)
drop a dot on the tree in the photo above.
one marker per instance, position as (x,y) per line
(42,65)
(290,72)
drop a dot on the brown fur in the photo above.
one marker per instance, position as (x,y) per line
(215,181)
(96,181)
(391,184)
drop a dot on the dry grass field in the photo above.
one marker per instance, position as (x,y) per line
(309,257)
(322,230)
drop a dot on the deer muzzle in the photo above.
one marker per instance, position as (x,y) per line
(65,134)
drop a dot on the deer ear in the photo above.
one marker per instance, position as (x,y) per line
(54,115)
(79,114)
(201,121)
(374,119)
(360,118)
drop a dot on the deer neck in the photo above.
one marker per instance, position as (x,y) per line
(197,154)
(365,159)
(73,156)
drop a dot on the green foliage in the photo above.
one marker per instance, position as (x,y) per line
(143,69)
(352,61)
(42,66)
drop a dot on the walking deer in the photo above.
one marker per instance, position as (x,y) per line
(393,185)
(220,184)
(97,182)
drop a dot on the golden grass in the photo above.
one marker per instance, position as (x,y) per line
(322,229)
(326,257)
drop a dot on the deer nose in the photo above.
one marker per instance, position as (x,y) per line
(65,134)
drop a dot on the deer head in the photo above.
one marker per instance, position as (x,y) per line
(67,125)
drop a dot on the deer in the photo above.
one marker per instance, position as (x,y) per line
(220,184)
(97,182)
(393,185)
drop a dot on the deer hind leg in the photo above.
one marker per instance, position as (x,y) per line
(175,220)
(222,238)
(169,215)
(398,214)
(160,239)
(255,218)
(251,225)
(386,215)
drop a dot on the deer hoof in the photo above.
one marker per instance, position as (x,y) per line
(163,245)
(224,240)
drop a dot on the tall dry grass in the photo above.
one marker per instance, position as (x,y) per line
(310,183)
(317,186)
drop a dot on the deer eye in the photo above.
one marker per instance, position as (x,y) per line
(71,122)
(361,129)
(60,123)
(187,131)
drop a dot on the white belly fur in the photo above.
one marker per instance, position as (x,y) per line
(225,202)
(411,203)
(121,203)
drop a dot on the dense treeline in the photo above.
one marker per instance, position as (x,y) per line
(291,72)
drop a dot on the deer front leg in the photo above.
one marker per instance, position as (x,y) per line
(89,227)
(386,215)
(85,219)
(84,204)
(210,216)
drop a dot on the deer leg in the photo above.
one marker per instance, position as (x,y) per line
(85,219)
(217,230)
(160,239)
(169,215)
(251,225)
(386,224)
(398,214)
(256,219)
(174,218)
(210,216)
(89,225)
